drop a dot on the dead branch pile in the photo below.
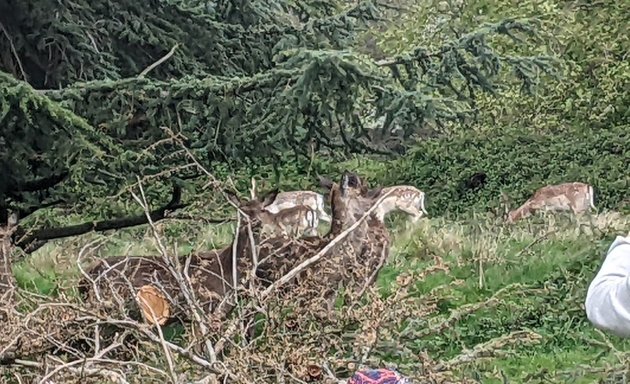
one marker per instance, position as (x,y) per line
(274,329)
(66,340)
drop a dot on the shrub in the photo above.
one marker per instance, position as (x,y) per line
(516,163)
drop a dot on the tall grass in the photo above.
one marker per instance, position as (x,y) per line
(496,284)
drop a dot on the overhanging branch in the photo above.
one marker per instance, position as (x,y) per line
(30,242)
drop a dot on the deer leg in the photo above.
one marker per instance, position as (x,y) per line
(309,231)
(413,211)
(320,210)
(297,231)
(284,229)
(315,220)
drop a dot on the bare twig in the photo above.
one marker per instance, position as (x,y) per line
(14,51)
(160,61)
(235,258)
(85,274)
(188,294)
(103,372)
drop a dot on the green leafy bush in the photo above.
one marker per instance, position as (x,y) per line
(516,163)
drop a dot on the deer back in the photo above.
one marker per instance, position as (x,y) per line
(562,196)
(576,197)
(298,213)
(295,219)
(286,200)
(402,196)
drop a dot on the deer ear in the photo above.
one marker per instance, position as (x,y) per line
(270,197)
(345,182)
(351,180)
(333,195)
(325,182)
(233,197)
(12,220)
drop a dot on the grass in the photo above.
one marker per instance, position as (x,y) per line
(520,288)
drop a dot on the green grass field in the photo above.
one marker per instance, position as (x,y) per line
(514,295)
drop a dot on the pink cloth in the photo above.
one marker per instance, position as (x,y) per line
(377,376)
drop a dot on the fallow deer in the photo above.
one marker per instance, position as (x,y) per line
(289,199)
(353,262)
(406,198)
(293,221)
(210,273)
(576,197)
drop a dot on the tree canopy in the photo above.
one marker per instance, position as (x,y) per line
(98,93)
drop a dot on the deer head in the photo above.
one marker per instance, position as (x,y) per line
(351,186)
(252,209)
(349,200)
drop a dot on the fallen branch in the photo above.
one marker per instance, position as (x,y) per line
(30,242)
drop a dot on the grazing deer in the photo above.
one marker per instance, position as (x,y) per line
(285,200)
(293,221)
(405,198)
(575,197)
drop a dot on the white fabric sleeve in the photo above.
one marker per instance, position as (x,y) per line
(608,297)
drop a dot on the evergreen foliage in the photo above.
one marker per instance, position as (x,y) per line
(239,82)
(44,148)
(516,163)
(574,130)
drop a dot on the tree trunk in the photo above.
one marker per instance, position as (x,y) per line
(7,280)
(7,290)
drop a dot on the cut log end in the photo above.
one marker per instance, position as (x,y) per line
(155,307)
